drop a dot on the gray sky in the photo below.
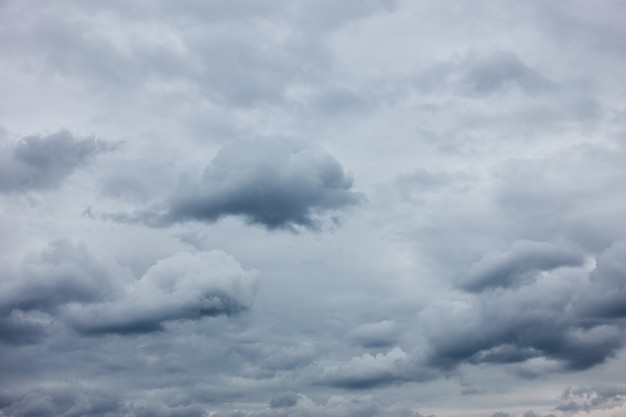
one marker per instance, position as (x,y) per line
(281,208)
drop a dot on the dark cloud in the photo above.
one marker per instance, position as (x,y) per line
(520,265)
(548,319)
(607,298)
(18,328)
(60,274)
(589,398)
(41,162)
(274,183)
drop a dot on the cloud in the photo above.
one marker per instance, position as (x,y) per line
(62,273)
(288,399)
(371,371)
(553,318)
(66,282)
(42,162)
(607,298)
(336,406)
(76,400)
(589,398)
(185,286)
(273,183)
(520,265)
(67,400)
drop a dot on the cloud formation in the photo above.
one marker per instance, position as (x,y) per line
(589,398)
(185,286)
(561,317)
(66,282)
(42,162)
(273,183)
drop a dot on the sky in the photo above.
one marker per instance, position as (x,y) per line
(299,208)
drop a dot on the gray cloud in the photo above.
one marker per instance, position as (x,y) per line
(184,286)
(520,265)
(41,162)
(66,282)
(288,399)
(589,398)
(274,183)
(607,298)
(371,371)
(62,273)
(64,399)
(491,250)
(380,334)
(548,319)
(334,407)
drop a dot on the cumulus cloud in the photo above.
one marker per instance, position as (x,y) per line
(66,282)
(41,162)
(60,274)
(185,286)
(336,406)
(555,318)
(520,265)
(273,183)
(370,371)
(75,400)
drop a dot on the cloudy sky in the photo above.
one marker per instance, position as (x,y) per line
(298,208)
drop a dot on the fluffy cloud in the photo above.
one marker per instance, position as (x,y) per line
(184,286)
(274,183)
(66,282)
(370,371)
(554,318)
(41,162)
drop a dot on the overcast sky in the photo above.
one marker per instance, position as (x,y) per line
(302,208)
